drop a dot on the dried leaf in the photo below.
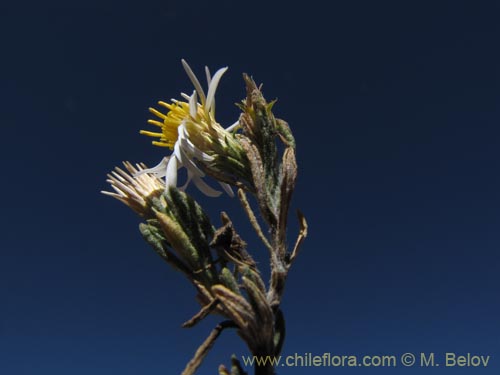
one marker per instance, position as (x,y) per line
(229,244)
(200,315)
(204,348)
(260,181)
(288,178)
(239,310)
(303,231)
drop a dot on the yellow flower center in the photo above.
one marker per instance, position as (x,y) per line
(177,112)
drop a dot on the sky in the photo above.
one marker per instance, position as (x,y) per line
(395,109)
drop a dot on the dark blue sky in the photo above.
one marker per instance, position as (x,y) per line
(395,108)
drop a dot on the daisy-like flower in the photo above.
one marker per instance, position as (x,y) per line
(190,130)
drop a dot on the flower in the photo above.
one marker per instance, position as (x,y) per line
(136,192)
(198,142)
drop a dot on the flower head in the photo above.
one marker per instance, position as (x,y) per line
(198,142)
(136,192)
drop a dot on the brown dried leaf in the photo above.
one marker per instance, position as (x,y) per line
(229,244)
(238,309)
(302,235)
(288,178)
(259,179)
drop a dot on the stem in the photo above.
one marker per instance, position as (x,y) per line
(204,348)
(264,370)
(253,219)
(268,358)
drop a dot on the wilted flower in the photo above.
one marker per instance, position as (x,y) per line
(199,143)
(136,192)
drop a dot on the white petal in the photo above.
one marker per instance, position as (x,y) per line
(213,86)
(194,80)
(227,189)
(177,150)
(232,127)
(207,73)
(193,105)
(189,147)
(196,152)
(159,170)
(171,173)
(204,188)
(185,160)
(209,80)
(189,178)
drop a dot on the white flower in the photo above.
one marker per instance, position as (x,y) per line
(188,126)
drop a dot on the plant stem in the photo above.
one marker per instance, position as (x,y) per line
(264,370)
